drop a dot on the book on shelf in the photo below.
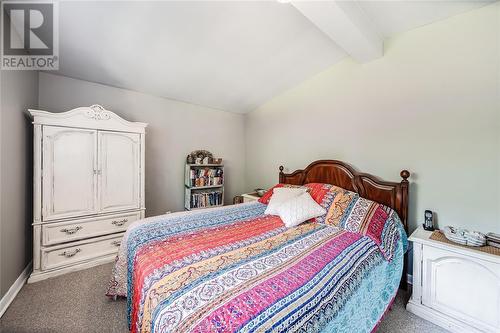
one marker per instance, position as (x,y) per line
(203,186)
(206,177)
(206,199)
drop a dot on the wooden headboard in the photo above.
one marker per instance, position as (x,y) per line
(392,194)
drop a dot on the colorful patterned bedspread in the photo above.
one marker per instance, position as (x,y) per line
(236,269)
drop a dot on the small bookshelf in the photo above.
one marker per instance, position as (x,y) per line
(204,186)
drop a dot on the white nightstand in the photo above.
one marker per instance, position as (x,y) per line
(455,287)
(248,197)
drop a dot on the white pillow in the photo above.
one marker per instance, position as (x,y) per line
(280,195)
(299,209)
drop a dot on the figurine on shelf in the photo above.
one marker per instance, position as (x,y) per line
(198,157)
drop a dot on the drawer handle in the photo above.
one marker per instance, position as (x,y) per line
(69,254)
(120,223)
(116,243)
(71,231)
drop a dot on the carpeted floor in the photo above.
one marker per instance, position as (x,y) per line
(75,303)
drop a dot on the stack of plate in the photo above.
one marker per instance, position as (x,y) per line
(456,235)
(475,238)
(464,236)
(493,239)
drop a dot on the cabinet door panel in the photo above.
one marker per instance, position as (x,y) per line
(119,163)
(69,172)
(462,287)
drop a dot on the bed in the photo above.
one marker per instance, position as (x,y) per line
(236,269)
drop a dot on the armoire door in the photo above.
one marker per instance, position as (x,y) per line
(69,172)
(119,173)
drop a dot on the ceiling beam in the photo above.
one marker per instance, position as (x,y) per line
(347,25)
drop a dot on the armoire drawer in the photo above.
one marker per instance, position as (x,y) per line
(62,232)
(79,252)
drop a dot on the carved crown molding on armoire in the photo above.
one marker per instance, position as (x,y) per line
(88,187)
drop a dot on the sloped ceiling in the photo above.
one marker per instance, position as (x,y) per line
(232,56)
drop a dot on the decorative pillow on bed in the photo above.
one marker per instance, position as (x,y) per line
(347,210)
(318,191)
(269,193)
(267,196)
(299,209)
(337,201)
(281,195)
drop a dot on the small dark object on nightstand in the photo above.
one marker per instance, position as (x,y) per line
(428,220)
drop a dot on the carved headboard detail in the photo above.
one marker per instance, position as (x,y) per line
(338,173)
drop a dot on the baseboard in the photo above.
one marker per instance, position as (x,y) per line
(14,289)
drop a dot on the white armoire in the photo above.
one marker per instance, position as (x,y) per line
(88,187)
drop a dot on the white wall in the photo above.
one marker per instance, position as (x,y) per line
(430,105)
(175,129)
(19,91)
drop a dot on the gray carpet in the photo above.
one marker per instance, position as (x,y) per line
(76,303)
